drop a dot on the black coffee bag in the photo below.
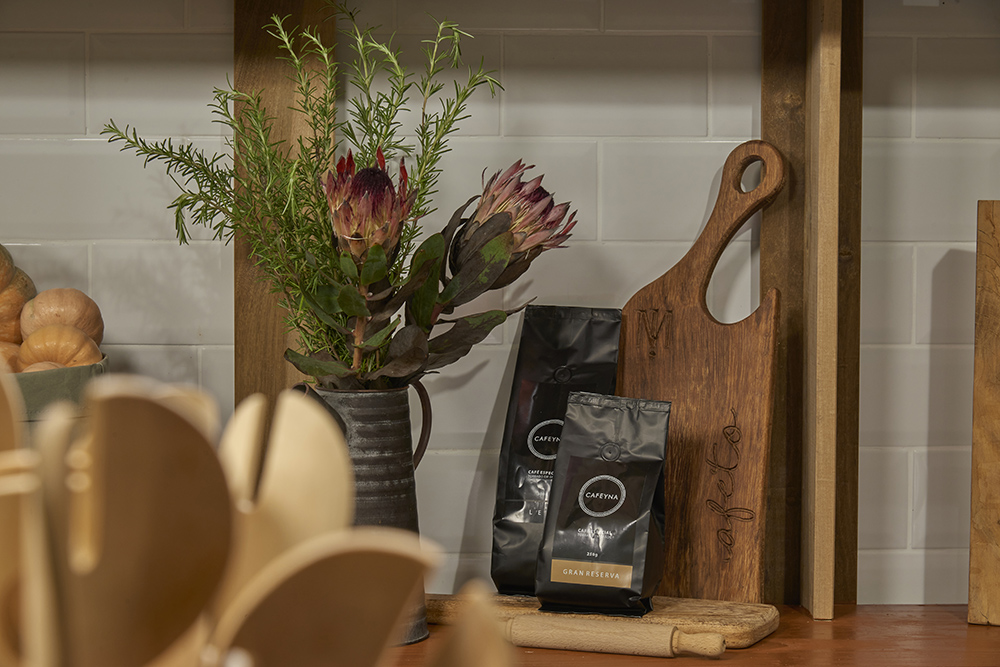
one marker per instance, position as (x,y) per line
(602,548)
(562,349)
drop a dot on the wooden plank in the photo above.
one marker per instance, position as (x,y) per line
(826,61)
(821,283)
(782,262)
(259,336)
(984,551)
(845,583)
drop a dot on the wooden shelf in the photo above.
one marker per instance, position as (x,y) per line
(810,252)
(883,635)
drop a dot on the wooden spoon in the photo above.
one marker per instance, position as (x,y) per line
(146,535)
(11,426)
(306,487)
(333,600)
(477,637)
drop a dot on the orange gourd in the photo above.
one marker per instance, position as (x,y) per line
(63,305)
(61,343)
(16,289)
(8,355)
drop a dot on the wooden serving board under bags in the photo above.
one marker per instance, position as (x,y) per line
(719,379)
(740,624)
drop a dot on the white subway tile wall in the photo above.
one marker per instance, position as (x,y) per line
(629,108)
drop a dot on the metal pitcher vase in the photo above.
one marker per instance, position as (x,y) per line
(376,425)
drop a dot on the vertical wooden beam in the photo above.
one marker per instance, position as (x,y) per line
(782,253)
(845,589)
(811,251)
(821,284)
(984,557)
(260,336)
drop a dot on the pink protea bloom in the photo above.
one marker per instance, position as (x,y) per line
(365,208)
(537,222)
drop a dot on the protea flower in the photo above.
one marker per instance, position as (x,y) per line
(536,222)
(365,207)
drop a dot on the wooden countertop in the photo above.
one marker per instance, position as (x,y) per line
(869,635)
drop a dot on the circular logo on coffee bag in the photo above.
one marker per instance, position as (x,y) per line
(602,496)
(543,440)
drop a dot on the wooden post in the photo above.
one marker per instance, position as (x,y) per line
(782,250)
(260,337)
(811,250)
(845,583)
(984,559)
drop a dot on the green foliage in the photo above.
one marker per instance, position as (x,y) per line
(345,308)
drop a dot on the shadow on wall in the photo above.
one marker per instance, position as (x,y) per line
(942,481)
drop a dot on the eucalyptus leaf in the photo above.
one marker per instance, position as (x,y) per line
(453,225)
(323,314)
(425,297)
(377,339)
(463,335)
(348,266)
(352,303)
(407,354)
(375,267)
(517,266)
(479,272)
(315,367)
(325,298)
(497,224)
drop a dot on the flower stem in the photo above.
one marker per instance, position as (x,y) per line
(360,325)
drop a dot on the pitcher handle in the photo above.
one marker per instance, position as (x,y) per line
(425,415)
(425,423)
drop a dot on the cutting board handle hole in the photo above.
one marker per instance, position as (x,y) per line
(752,175)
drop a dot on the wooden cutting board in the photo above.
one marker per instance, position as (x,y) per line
(719,378)
(740,624)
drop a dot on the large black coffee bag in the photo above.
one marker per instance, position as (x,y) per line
(602,549)
(562,349)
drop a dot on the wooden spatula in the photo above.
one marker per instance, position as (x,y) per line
(333,600)
(29,633)
(719,378)
(306,487)
(477,636)
(146,535)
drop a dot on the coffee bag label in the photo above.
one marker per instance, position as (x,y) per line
(591,574)
(597,512)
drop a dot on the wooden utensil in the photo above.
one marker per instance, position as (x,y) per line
(306,486)
(596,635)
(719,378)
(146,533)
(29,632)
(11,425)
(477,636)
(336,599)
(741,624)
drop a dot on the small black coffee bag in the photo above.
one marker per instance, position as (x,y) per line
(602,548)
(562,349)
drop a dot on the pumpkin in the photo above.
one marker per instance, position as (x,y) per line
(61,343)
(8,355)
(6,266)
(42,366)
(17,291)
(63,305)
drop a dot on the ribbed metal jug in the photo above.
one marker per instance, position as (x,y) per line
(376,425)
